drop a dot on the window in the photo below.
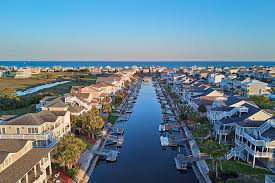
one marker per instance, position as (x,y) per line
(3,131)
(18,130)
(32,130)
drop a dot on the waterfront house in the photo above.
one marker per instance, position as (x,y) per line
(255,140)
(20,162)
(75,103)
(45,128)
(255,87)
(225,114)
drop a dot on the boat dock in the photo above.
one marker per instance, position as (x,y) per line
(111,155)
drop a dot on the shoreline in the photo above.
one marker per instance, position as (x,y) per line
(200,167)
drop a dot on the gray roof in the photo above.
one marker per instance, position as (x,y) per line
(36,118)
(58,102)
(10,146)
(270,133)
(250,123)
(23,165)
(223,108)
(236,118)
(232,100)
(75,108)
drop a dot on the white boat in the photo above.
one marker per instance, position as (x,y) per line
(161,128)
(164,141)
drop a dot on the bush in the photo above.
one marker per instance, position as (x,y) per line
(72,172)
(202,108)
(55,165)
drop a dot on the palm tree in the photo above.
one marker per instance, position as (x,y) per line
(188,113)
(202,131)
(216,151)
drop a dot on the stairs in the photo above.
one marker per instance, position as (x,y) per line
(237,151)
(264,127)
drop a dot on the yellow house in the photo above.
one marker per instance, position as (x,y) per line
(44,127)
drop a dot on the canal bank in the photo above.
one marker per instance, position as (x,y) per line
(142,159)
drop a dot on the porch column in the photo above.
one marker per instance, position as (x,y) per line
(35,173)
(253,165)
(254,156)
(225,138)
(247,157)
(50,165)
(27,178)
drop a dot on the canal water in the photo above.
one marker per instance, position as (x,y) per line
(142,159)
(40,87)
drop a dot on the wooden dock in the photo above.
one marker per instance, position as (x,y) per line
(111,155)
(180,164)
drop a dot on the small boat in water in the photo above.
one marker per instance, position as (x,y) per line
(164,141)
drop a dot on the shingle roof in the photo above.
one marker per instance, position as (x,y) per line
(75,108)
(250,123)
(270,133)
(58,102)
(10,146)
(36,118)
(236,118)
(23,165)
(231,100)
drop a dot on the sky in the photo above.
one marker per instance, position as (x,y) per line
(146,30)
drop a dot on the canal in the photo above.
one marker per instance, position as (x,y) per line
(142,159)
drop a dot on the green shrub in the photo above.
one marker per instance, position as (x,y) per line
(55,165)
(72,172)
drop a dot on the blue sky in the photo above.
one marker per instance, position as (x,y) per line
(137,30)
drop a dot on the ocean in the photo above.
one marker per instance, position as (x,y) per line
(171,64)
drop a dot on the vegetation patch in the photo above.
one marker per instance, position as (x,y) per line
(19,111)
(112,119)
(263,102)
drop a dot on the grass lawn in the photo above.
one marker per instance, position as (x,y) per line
(86,141)
(256,174)
(19,111)
(246,169)
(22,83)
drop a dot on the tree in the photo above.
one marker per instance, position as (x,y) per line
(106,105)
(202,131)
(127,84)
(76,122)
(68,151)
(262,102)
(188,113)
(216,151)
(9,93)
(202,108)
(107,108)
(92,122)
(9,99)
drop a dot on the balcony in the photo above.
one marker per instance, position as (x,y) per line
(27,136)
(41,178)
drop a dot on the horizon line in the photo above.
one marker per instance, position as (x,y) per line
(138,60)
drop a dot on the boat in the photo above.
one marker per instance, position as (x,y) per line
(161,128)
(164,141)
